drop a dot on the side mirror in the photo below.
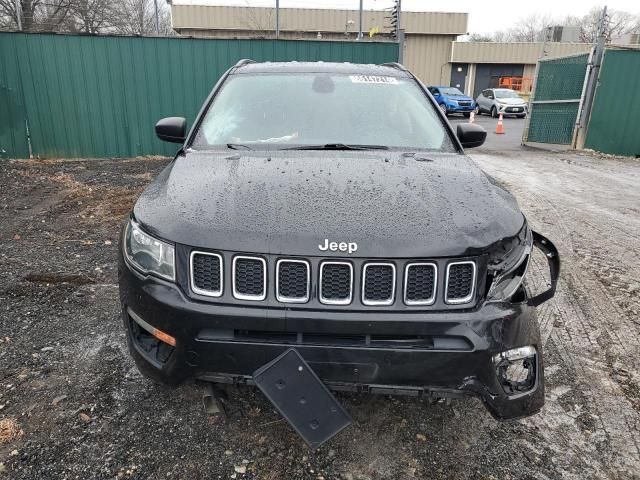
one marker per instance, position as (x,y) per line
(471,135)
(172,129)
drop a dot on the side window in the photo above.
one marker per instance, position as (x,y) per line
(485,93)
(433,90)
(490,94)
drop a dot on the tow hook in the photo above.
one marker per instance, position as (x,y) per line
(214,400)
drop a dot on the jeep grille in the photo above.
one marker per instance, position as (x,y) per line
(460,282)
(420,283)
(206,273)
(292,281)
(322,281)
(378,284)
(336,283)
(249,278)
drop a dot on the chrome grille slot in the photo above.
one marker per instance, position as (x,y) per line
(206,273)
(420,283)
(378,283)
(293,280)
(249,278)
(336,283)
(460,283)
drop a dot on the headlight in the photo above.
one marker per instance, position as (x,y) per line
(148,254)
(510,267)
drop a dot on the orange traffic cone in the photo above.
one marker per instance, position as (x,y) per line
(472,117)
(500,126)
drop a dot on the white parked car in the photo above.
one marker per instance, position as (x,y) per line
(501,100)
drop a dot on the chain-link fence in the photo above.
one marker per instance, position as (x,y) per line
(556,100)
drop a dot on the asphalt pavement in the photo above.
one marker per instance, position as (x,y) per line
(510,140)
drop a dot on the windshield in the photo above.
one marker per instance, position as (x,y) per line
(284,110)
(451,91)
(506,94)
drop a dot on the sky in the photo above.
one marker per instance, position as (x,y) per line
(484,16)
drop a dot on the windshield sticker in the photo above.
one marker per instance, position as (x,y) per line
(373,79)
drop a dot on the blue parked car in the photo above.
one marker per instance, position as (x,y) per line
(452,100)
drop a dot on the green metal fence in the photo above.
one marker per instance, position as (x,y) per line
(556,101)
(613,126)
(98,96)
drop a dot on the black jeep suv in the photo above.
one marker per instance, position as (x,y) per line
(330,209)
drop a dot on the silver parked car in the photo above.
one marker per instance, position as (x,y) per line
(501,100)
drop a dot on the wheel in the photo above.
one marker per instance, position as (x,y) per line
(494,112)
(466,114)
(477,110)
(443,107)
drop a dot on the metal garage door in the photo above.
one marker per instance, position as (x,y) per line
(556,100)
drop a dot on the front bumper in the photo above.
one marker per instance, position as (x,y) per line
(460,108)
(360,351)
(513,109)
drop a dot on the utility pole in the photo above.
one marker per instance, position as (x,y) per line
(360,28)
(592,81)
(155,4)
(19,15)
(277,18)
(399,27)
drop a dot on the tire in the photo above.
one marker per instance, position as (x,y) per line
(477,110)
(466,114)
(494,112)
(443,107)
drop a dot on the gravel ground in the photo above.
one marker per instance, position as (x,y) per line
(72,404)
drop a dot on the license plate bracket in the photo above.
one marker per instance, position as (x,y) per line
(301,398)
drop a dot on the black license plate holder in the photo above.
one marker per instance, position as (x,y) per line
(301,398)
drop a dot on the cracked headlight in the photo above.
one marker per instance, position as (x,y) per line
(509,267)
(147,253)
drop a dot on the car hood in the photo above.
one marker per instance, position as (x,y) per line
(391,204)
(511,101)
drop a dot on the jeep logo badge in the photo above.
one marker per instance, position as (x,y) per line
(349,247)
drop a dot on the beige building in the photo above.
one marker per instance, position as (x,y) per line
(428,35)
(476,66)
(431,50)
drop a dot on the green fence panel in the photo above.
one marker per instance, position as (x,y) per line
(614,126)
(13,126)
(554,108)
(100,96)
(553,123)
(561,78)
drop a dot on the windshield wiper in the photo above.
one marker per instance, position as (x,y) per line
(238,146)
(337,146)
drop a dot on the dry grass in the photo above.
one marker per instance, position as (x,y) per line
(9,430)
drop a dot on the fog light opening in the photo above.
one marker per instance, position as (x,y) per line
(516,369)
(155,343)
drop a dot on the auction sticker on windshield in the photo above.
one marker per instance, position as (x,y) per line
(373,79)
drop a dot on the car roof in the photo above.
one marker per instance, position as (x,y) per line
(322,67)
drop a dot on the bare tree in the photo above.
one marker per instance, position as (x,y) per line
(258,20)
(91,16)
(617,23)
(534,27)
(37,15)
(531,29)
(137,17)
(126,17)
(481,37)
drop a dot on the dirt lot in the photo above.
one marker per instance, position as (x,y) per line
(73,406)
